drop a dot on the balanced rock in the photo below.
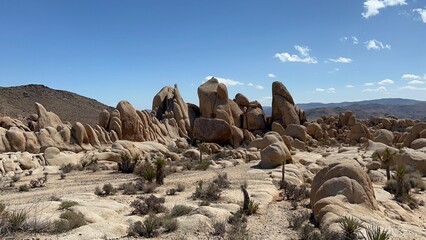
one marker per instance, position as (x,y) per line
(274,155)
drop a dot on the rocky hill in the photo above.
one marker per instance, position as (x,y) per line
(18,102)
(398,107)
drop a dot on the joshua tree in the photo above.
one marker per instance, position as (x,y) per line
(283,176)
(246,198)
(159,165)
(385,158)
(203,147)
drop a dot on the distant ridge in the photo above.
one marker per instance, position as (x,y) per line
(18,102)
(398,107)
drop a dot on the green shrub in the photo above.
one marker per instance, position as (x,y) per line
(180,210)
(24,188)
(252,208)
(107,190)
(127,164)
(144,205)
(238,223)
(297,219)
(149,187)
(17,219)
(308,232)
(146,171)
(169,224)
(159,171)
(376,233)
(203,165)
(69,220)
(148,229)
(68,168)
(351,227)
(129,188)
(67,204)
(222,180)
(219,229)
(212,192)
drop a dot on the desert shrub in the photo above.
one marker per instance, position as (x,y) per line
(171,191)
(296,193)
(297,219)
(129,188)
(401,184)
(351,227)
(92,165)
(252,208)
(63,176)
(127,164)
(203,165)
(2,207)
(308,232)
(180,187)
(79,167)
(146,171)
(169,224)
(180,210)
(238,223)
(159,171)
(376,233)
(67,204)
(16,178)
(40,182)
(212,192)
(69,220)
(144,205)
(107,190)
(67,168)
(222,155)
(222,180)
(204,203)
(16,219)
(24,188)
(219,229)
(148,229)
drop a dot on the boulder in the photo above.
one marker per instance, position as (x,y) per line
(315,130)
(338,188)
(418,143)
(47,119)
(276,127)
(54,157)
(212,130)
(193,154)
(359,131)
(79,133)
(413,159)
(214,103)
(274,155)
(255,118)
(283,109)
(131,126)
(383,136)
(16,139)
(268,139)
(242,100)
(237,136)
(296,131)
(103,119)
(414,133)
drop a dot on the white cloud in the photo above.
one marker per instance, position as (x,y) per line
(422,13)
(328,90)
(271,75)
(303,58)
(416,82)
(372,7)
(267,98)
(355,40)
(410,77)
(376,45)
(413,88)
(341,60)
(349,86)
(343,39)
(379,89)
(259,87)
(226,81)
(250,84)
(369,84)
(386,82)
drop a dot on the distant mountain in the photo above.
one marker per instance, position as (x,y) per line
(18,102)
(398,107)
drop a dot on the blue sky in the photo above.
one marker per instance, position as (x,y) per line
(323,51)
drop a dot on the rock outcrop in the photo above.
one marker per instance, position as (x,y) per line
(284,110)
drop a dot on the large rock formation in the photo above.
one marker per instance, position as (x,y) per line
(284,110)
(168,103)
(338,188)
(212,130)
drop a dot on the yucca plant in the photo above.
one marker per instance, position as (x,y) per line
(385,158)
(376,233)
(159,167)
(351,228)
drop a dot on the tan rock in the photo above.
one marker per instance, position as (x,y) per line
(47,119)
(359,131)
(103,119)
(412,159)
(255,119)
(31,143)
(383,136)
(274,155)
(16,139)
(296,131)
(276,127)
(79,133)
(418,143)
(212,130)
(237,136)
(193,154)
(242,100)
(268,139)
(414,133)
(315,131)
(283,109)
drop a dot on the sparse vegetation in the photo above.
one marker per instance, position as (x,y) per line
(68,221)
(385,158)
(67,204)
(67,168)
(222,180)
(146,171)
(148,229)
(145,205)
(24,188)
(126,163)
(159,168)
(180,210)
(376,233)
(169,224)
(16,178)
(219,229)
(211,192)
(129,188)
(40,182)
(351,228)
(107,189)
(297,219)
